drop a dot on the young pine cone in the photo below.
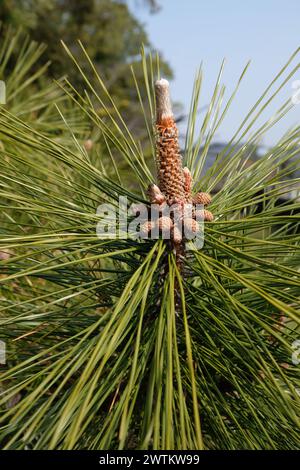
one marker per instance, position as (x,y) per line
(203,214)
(202,198)
(170,174)
(174,182)
(165,224)
(155,195)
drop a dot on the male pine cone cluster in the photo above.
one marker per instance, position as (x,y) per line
(175,183)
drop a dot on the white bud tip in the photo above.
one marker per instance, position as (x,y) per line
(163,102)
(163,83)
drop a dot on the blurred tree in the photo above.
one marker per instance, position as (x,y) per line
(110,33)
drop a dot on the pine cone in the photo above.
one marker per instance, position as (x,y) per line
(191,226)
(155,195)
(164,224)
(176,235)
(202,198)
(170,174)
(203,214)
(145,228)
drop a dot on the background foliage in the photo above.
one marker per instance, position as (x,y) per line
(111,34)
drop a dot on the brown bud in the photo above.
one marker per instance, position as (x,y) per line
(187,182)
(191,225)
(145,228)
(202,198)
(203,214)
(177,215)
(176,235)
(164,223)
(88,144)
(284,365)
(155,194)
(4,255)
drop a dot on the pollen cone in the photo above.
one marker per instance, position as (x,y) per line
(170,173)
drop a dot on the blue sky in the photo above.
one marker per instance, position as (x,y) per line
(187,32)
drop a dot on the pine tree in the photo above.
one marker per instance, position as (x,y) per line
(111,343)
